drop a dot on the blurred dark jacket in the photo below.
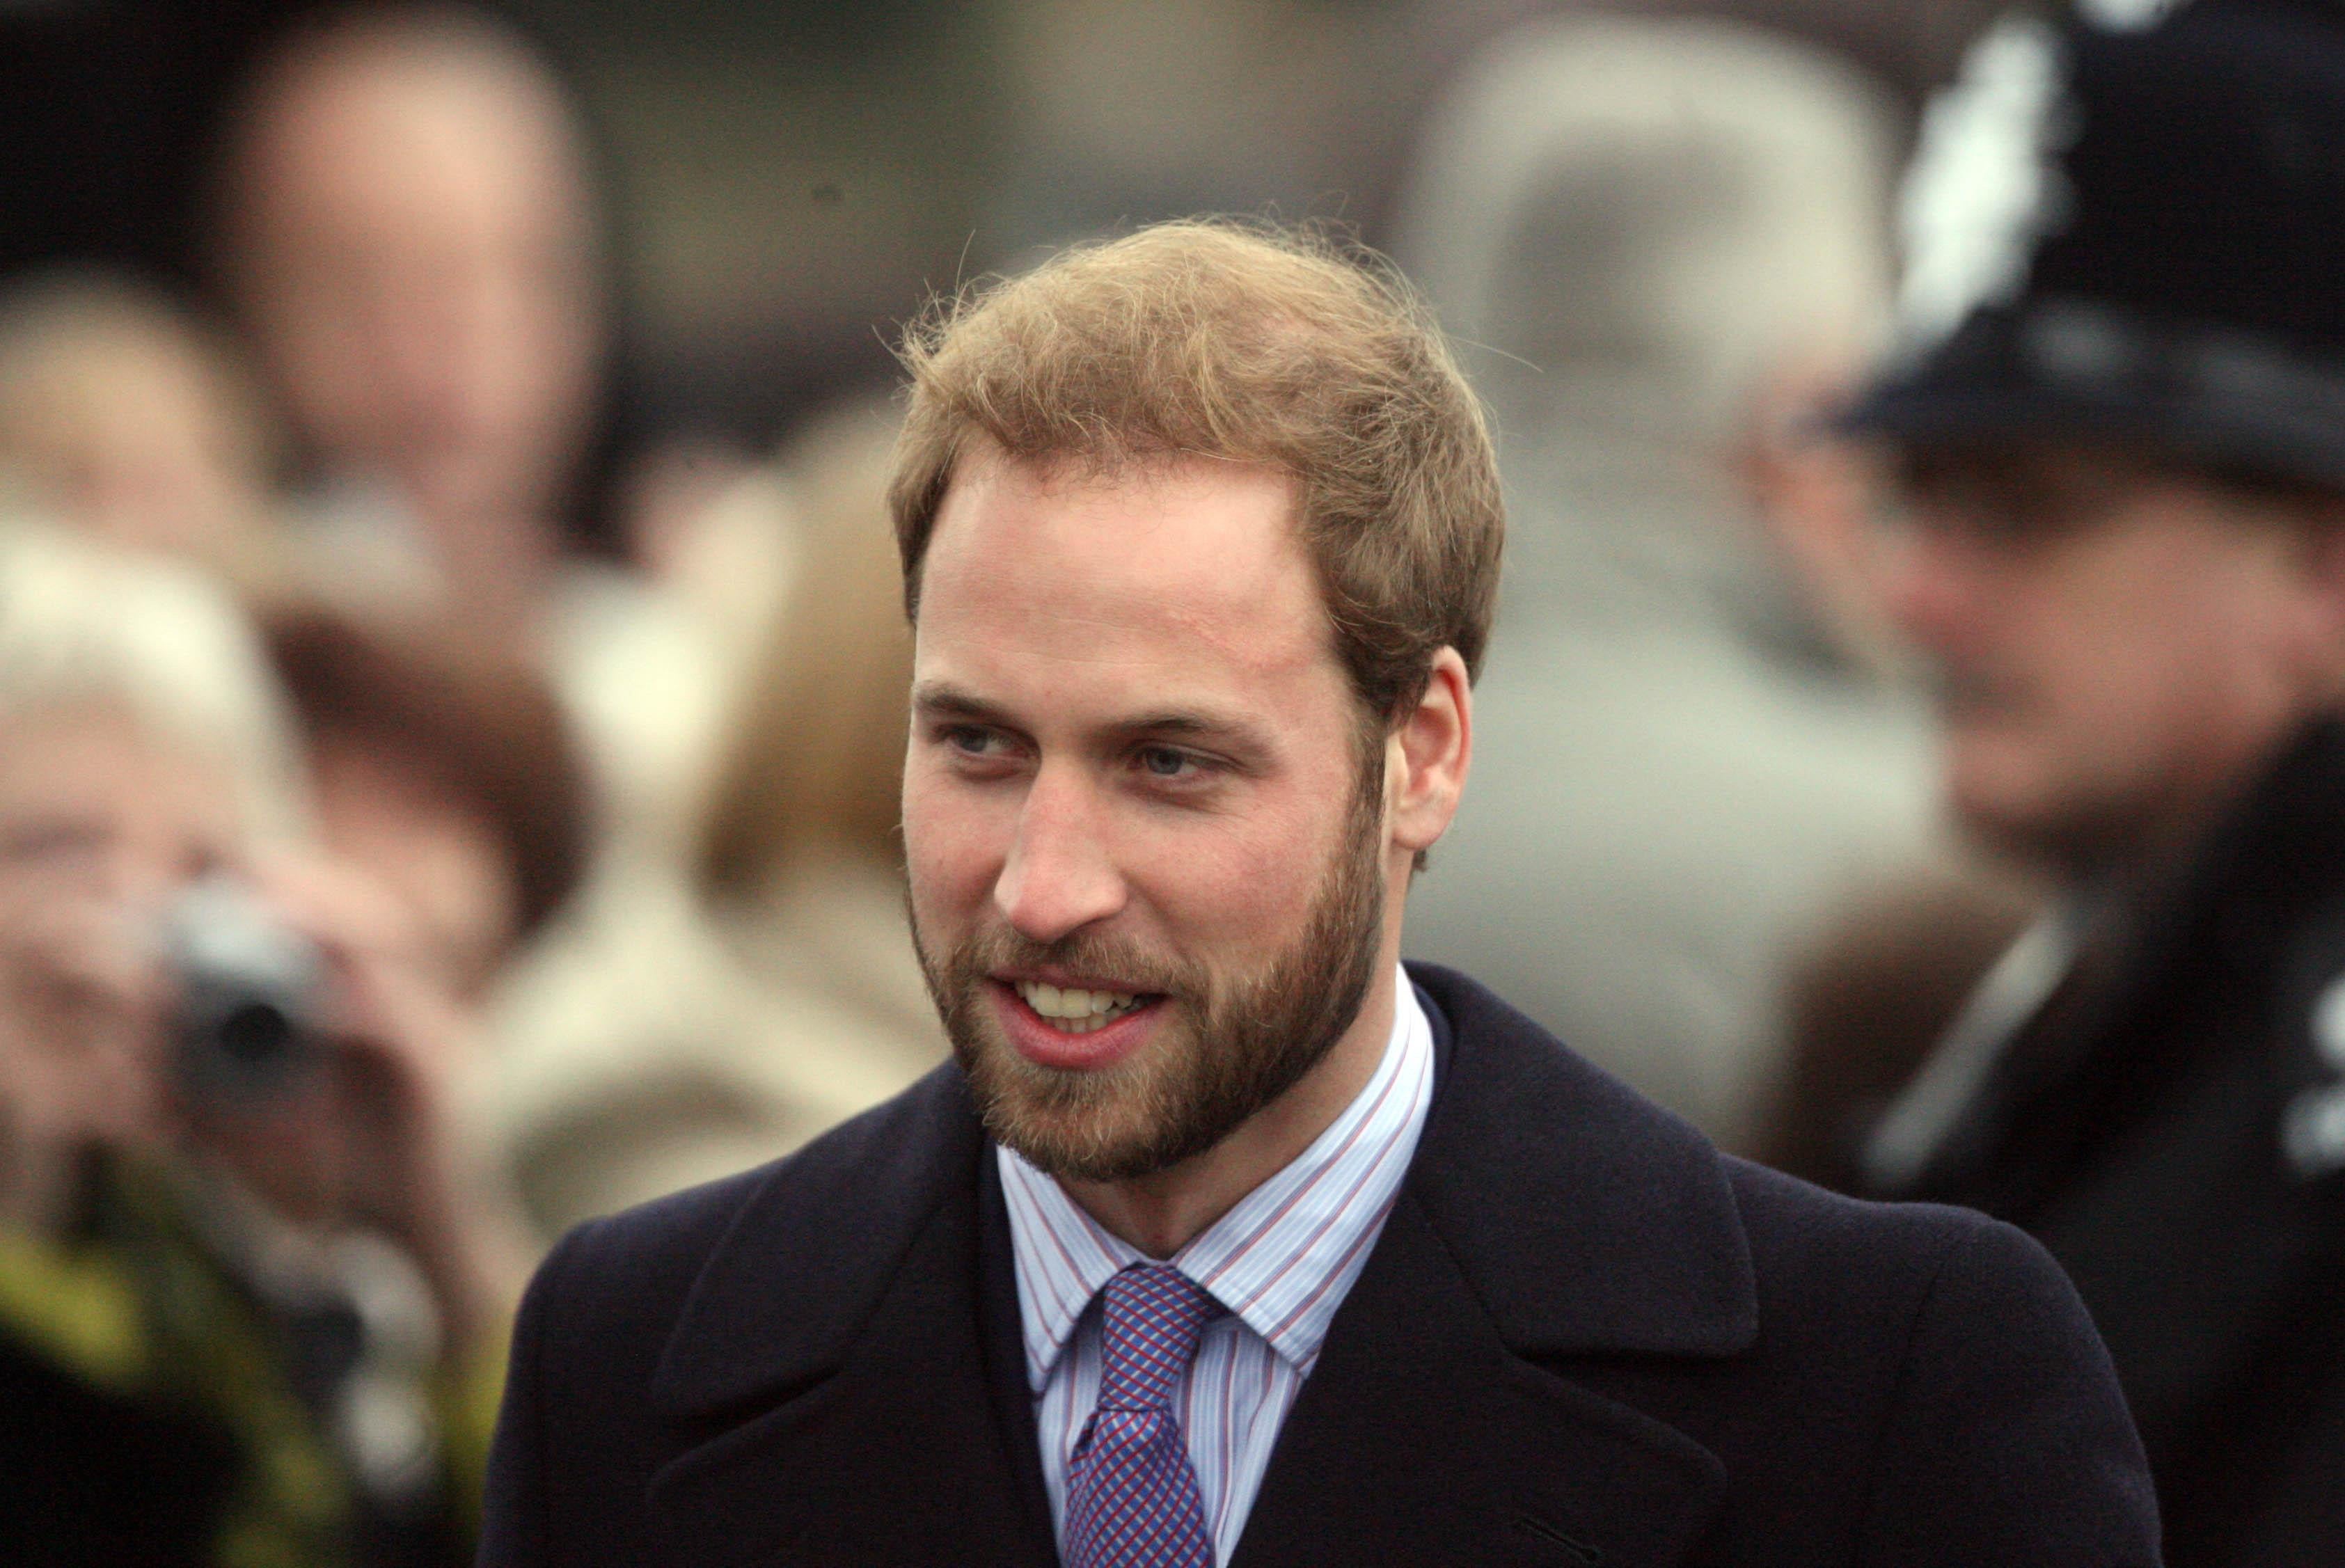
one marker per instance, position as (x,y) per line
(1868,1001)
(154,1412)
(2171,1126)
(97,1468)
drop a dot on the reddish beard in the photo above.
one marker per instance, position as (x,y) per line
(1225,1046)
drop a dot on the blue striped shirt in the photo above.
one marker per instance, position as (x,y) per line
(1281,1262)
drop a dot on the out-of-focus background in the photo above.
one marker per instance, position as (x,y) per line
(441,454)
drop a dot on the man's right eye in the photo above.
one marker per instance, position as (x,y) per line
(973,741)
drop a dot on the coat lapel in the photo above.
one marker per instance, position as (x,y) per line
(886,1429)
(1549,1213)
(853,1394)
(1420,1438)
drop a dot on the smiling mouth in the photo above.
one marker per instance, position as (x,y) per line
(1073,1011)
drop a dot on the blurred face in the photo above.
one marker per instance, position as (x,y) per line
(2120,646)
(1148,862)
(93,805)
(441,860)
(100,823)
(124,429)
(409,227)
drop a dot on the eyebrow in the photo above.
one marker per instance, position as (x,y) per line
(945,701)
(938,698)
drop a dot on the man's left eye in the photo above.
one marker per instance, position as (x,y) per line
(1163,762)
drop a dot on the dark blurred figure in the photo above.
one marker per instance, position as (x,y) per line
(1871,991)
(2119,421)
(405,222)
(253,1291)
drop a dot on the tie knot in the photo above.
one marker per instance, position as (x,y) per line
(1151,1316)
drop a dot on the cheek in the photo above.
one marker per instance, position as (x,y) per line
(2180,657)
(2119,643)
(1246,883)
(955,840)
(2174,659)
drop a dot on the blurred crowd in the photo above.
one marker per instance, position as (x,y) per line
(425,823)
(439,803)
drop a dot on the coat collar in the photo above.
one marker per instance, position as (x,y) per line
(2267,865)
(1549,1213)
(2251,912)
(1587,1218)
(844,1384)
(781,1299)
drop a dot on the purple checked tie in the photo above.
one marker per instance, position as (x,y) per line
(1132,1495)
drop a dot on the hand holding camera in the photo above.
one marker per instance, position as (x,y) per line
(281,1027)
(316,1053)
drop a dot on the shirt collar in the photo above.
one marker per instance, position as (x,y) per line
(1281,1260)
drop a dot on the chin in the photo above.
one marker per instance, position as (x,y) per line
(1098,1126)
(2030,822)
(2002,799)
(1100,1137)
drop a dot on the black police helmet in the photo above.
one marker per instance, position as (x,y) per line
(2130,227)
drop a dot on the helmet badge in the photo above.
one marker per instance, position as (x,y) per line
(1984,190)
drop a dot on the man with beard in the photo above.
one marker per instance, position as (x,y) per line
(1225,1238)
(2120,426)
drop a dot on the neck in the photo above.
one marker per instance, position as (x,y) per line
(1163,1212)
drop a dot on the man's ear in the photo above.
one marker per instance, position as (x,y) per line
(1428,754)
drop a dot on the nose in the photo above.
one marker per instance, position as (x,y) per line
(1060,874)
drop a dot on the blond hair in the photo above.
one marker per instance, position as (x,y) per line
(1249,343)
(819,757)
(84,626)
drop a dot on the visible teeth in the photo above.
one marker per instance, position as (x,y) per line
(1075,1010)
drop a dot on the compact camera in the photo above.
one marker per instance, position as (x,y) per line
(248,995)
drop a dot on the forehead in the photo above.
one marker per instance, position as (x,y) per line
(2024,490)
(1189,570)
(1983,464)
(392,126)
(101,759)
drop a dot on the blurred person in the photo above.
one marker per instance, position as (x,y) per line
(1658,240)
(2115,413)
(444,767)
(1871,991)
(409,224)
(124,414)
(682,1028)
(1225,1237)
(252,1295)
(406,227)
(803,855)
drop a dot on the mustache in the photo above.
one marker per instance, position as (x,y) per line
(1130,965)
